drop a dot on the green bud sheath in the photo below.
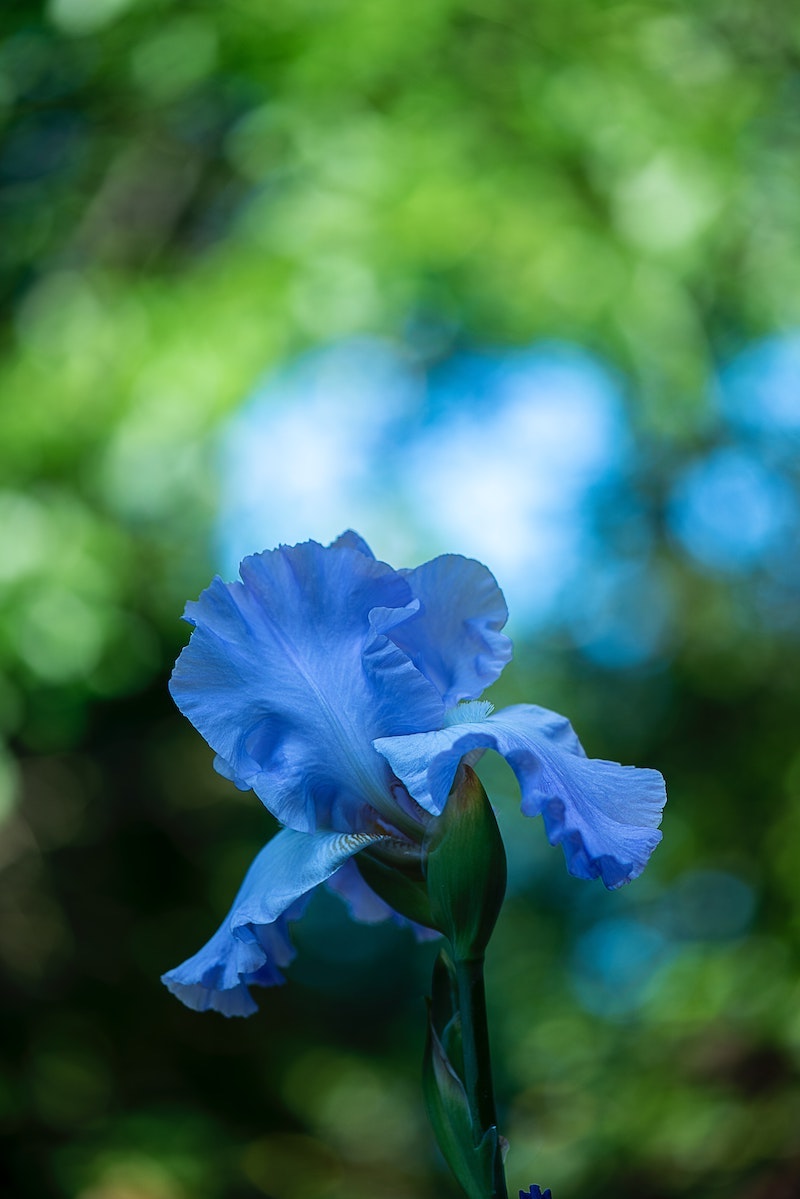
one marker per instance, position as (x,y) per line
(394,872)
(465,867)
(450,1115)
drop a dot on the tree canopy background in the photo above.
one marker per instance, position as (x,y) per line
(192,196)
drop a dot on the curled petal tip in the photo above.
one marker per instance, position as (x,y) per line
(604,816)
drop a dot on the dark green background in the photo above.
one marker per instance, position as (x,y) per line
(192,193)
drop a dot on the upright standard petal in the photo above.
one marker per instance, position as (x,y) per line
(605,816)
(454,638)
(290,675)
(353,541)
(252,945)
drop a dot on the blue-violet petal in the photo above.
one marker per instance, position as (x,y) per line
(605,816)
(252,943)
(455,638)
(290,675)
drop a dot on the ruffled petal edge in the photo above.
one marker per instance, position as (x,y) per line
(252,944)
(605,816)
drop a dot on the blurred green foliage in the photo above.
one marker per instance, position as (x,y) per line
(190,194)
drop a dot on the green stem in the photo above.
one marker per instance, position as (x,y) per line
(477,1060)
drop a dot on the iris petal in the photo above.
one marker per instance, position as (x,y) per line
(604,815)
(252,943)
(353,541)
(289,675)
(455,638)
(362,902)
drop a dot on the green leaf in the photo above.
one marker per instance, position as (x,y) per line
(444,1013)
(448,1110)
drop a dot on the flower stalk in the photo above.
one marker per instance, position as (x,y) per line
(457,1079)
(465,870)
(475,1047)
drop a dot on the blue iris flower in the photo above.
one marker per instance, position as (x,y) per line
(535,1193)
(345,694)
